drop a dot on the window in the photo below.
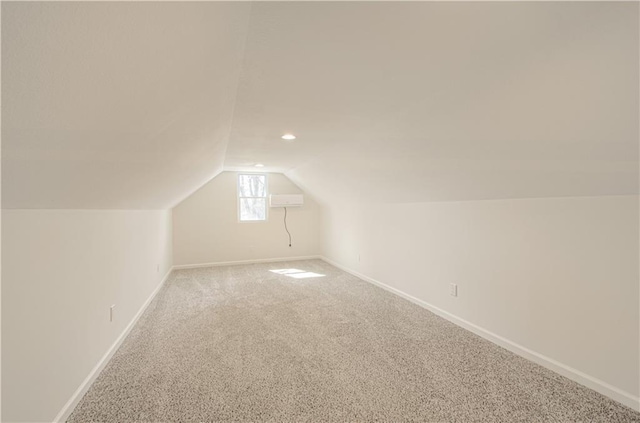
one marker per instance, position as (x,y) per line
(252,197)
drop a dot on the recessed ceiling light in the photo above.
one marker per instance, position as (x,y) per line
(288,137)
(258,165)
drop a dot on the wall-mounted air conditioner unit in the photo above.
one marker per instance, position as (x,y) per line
(286,200)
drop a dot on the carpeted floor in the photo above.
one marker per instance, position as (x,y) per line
(241,343)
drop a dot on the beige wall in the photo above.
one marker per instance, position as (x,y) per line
(558,276)
(207,230)
(62,270)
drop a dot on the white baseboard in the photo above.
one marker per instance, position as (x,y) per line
(233,263)
(591,382)
(68,408)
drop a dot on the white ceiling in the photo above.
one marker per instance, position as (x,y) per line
(135,105)
(442,101)
(116,105)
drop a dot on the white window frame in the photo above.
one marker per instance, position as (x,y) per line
(266,197)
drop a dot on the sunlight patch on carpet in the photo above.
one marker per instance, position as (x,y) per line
(297,273)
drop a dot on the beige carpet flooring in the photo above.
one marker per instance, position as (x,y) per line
(242,343)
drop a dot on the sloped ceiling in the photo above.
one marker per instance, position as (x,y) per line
(116,105)
(439,101)
(136,105)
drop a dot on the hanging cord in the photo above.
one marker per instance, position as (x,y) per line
(285,225)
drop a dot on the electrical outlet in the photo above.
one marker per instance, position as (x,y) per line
(158,268)
(453,290)
(111,311)
(358,257)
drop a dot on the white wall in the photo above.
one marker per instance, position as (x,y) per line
(62,270)
(206,227)
(556,275)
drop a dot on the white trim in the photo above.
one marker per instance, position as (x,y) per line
(68,408)
(591,382)
(233,263)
